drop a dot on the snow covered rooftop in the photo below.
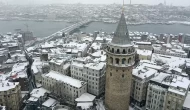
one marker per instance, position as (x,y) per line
(99,53)
(179,81)
(47,45)
(37,93)
(57,61)
(86,97)
(143,43)
(77,64)
(149,64)
(171,61)
(96,46)
(87,38)
(50,102)
(144,52)
(65,79)
(19,70)
(143,72)
(95,66)
(5,85)
(76,46)
(177,84)
(160,77)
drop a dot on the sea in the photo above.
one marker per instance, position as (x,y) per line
(46,28)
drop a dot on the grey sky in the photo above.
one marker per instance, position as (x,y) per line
(169,2)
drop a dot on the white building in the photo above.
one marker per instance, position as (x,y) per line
(95,76)
(64,86)
(168,51)
(85,101)
(140,79)
(92,73)
(76,49)
(157,92)
(60,65)
(144,45)
(167,92)
(144,54)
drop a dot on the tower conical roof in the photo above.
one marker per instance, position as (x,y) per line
(121,36)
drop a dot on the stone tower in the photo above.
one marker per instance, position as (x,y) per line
(120,61)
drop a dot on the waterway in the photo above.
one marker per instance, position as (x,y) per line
(39,29)
(46,28)
(151,28)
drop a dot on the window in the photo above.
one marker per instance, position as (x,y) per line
(123,61)
(129,60)
(129,51)
(110,74)
(117,61)
(168,102)
(118,51)
(124,52)
(112,50)
(122,75)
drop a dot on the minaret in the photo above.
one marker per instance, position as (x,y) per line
(120,61)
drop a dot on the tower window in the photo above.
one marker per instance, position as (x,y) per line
(112,50)
(117,61)
(124,52)
(122,75)
(129,51)
(110,74)
(129,60)
(123,61)
(118,51)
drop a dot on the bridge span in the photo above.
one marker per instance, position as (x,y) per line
(68,30)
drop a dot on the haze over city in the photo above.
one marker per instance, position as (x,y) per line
(94,55)
(150,2)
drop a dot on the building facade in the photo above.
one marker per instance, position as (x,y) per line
(92,73)
(167,92)
(64,86)
(120,61)
(171,53)
(10,95)
(140,81)
(144,45)
(60,65)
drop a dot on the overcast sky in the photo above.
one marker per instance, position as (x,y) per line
(152,2)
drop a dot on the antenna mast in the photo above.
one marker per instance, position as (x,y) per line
(123,6)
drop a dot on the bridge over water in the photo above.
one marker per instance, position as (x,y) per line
(68,30)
